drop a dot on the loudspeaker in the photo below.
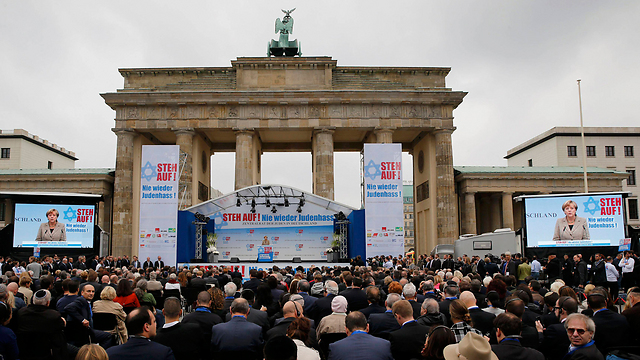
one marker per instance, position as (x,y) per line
(297,259)
(197,261)
(234,260)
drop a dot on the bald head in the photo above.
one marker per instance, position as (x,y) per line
(13,287)
(468,298)
(291,309)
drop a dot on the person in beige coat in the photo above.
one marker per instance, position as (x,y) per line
(107,305)
(571,227)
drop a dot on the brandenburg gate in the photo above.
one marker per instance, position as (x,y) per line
(281,104)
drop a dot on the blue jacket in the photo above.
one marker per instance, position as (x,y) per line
(360,346)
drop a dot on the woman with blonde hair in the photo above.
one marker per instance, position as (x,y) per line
(107,305)
(92,352)
(25,287)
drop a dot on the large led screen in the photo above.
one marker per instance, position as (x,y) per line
(31,226)
(598,221)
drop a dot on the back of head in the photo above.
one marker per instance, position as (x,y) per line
(172,307)
(515,306)
(373,294)
(239,306)
(596,299)
(409,290)
(509,324)
(459,311)
(203,298)
(299,329)
(331,287)
(568,304)
(230,289)
(403,308)
(431,305)
(137,319)
(355,321)
(468,298)
(280,348)
(392,299)
(92,352)
(451,290)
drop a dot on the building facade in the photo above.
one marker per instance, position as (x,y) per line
(612,148)
(407,206)
(21,150)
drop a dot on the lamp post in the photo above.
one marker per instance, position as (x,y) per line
(584,147)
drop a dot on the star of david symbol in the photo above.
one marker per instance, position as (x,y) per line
(69,214)
(587,206)
(372,170)
(148,172)
(260,249)
(218,224)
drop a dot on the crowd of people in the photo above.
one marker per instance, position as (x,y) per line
(385,308)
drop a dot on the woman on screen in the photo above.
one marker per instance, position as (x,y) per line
(571,227)
(52,230)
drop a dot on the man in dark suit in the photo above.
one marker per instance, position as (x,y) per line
(291,311)
(409,293)
(322,306)
(580,329)
(124,262)
(509,347)
(373,298)
(555,340)
(184,339)
(482,320)
(237,338)
(530,337)
(41,325)
(253,282)
(204,318)
(633,315)
(136,263)
(359,345)
(451,294)
(448,262)
(356,297)
(613,329)
(147,264)
(408,341)
(255,316)
(229,295)
(435,264)
(198,281)
(159,264)
(303,290)
(141,323)
(381,325)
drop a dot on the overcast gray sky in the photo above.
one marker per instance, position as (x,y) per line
(518,60)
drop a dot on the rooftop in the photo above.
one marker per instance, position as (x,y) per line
(530,170)
(21,133)
(572,131)
(87,171)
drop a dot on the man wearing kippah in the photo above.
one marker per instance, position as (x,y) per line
(40,324)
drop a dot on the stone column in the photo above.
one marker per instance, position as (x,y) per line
(496,210)
(184,138)
(323,163)
(507,210)
(383,135)
(469,224)
(244,158)
(122,231)
(446,212)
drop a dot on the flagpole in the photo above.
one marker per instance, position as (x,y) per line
(584,148)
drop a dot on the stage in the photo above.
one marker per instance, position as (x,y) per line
(244,266)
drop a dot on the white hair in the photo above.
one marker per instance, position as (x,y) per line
(409,290)
(230,289)
(331,287)
(486,281)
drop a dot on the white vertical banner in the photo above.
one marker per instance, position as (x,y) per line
(159,202)
(384,216)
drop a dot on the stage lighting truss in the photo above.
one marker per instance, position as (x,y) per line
(341,229)
(200,221)
(271,197)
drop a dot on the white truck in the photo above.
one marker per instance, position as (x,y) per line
(496,243)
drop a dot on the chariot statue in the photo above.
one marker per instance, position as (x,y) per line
(284,46)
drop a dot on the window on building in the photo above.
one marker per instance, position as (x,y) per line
(530,162)
(6,153)
(591,151)
(633,209)
(49,165)
(632,177)
(628,151)
(572,151)
(610,151)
